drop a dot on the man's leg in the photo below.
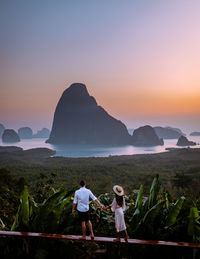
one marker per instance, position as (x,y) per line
(83,229)
(90,228)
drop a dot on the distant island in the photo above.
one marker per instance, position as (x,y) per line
(43,133)
(195,133)
(168,132)
(146,136)
(25,133)
(183,141)
(11,136)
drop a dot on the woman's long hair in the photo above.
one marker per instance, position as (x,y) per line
(119,200)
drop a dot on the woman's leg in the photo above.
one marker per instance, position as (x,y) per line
(126,235)
(118,237)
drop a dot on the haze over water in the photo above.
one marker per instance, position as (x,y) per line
(92,151)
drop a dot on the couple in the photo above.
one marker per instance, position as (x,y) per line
(81,200)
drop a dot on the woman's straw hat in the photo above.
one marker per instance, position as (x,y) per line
(118,190)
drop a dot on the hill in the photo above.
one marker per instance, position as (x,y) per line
(78,119)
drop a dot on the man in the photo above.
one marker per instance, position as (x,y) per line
(81,200)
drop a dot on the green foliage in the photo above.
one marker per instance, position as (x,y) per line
(24,208)
(153,196)
(145,208)
(10,189)
(103,221)
(2,225)
(102,173)
(149,219)
(182,180)
(44,217)
(50,211)
(174,210)
(23,213)
(138,204)
(43,186)
(138,210)
(156,215)
(194,224)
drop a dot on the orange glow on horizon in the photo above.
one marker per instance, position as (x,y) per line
(136,59)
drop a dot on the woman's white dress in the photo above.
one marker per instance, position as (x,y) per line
(119,215)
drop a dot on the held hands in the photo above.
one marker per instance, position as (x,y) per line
(106,208)
(101,207)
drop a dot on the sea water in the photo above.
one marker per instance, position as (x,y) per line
(98,151)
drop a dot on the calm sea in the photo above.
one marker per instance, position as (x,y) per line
(91,151)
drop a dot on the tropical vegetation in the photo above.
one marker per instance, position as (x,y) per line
(154,216)
(36,195)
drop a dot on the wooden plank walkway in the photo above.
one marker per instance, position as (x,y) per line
(98,239)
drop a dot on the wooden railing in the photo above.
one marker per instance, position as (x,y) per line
(98,239)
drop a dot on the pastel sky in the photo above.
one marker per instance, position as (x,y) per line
(140,59)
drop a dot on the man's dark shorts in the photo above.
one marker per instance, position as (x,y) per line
(84,216)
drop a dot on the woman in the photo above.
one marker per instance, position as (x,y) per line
(118,206)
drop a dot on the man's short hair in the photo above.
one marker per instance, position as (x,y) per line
(82,183)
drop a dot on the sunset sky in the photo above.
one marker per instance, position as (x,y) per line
(139,59)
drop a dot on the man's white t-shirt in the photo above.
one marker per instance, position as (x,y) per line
(81,198)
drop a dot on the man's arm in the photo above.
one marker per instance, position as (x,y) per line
(99,203)
(74,203)
(73,208)
(96,200)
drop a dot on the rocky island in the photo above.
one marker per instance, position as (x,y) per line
(78,119)
(10,136)
(183,141)
(168,133)
(43,133)
(25,133)
(195,133)
(146,136)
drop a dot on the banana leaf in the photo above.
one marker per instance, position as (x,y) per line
(55,215)
(138,203)
(154,190)
(149,218)
(193,224)
(22,216)
(33,207)
(54,198)
(49,212)
(165,195)
(174,212)
(137,215)
(60,205)
(2,225)
(147,224)
(136,212)
(24,207)
(16,222)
